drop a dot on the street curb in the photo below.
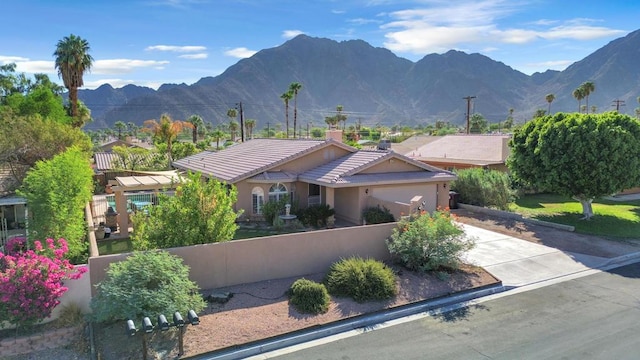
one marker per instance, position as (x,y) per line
(363,321)
(621,260)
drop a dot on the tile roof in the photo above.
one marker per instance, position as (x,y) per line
(343,171)
(103,160)
(251,158)
(490,149)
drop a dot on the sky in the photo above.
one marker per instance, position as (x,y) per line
(153,42)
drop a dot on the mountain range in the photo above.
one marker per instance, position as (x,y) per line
(373,85)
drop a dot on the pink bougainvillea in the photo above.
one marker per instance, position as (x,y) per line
(31,281)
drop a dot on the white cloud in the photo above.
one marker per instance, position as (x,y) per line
(439,26)
(289,34)
(33,67)
(123,66)
(173,48)
(240,52)
(363,21)
(338,12)
(194,56)
(11,59)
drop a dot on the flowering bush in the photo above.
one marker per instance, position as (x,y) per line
(31,280)
(426,242)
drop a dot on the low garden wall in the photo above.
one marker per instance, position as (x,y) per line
(272,257)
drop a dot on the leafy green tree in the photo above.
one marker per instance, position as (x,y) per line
(146,284)
(120,127)
(72,61)
(166,131)
(478,124)
(294,88)
(132,129)
(584,156)
(39,101)
(204,210)
(57,192)
(132,158)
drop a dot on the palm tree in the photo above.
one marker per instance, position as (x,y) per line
(588,87)
(578,93)
(233,129)
(549,98)
(197,122)
(286,97)
(120,126)
(249,124)
(132,128)
(72,61)
(593,109)
(294,87)
(217,134)
(166,131)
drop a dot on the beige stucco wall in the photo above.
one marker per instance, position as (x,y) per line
(391,165)
(274,257)
(348,204)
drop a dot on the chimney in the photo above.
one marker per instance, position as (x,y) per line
(335,134)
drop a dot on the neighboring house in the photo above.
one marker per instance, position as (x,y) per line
(108,146)
(323,172)
(453,152)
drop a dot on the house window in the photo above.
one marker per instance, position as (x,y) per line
(277,192)
(314,194)
(258,200)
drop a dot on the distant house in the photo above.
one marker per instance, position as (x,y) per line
(323,172)
(108,146)
(452,152)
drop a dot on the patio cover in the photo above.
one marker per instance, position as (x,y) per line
(155,180)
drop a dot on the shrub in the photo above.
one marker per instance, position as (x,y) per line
(316,215)
(377,215)
(361,279)
(426,242)
(145,284)
(490,188)
(31,280)
(309,297)
(271,209)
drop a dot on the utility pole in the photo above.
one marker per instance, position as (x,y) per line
(468,98)
(239,107)
(617,103)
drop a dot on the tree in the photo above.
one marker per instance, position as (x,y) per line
(218,134)
(166,131)
(205,210)
(587,88)
(549,98)
(294,87)
(196,123)
(57,192)
(478,124)
(539,113)
(72,61)
(249,125)
(146,284)
(132,129)
(584,156)
(233,129)
(578,93)
(120,126)
(286,97)
(132,158)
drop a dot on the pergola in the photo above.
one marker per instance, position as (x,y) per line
(155,180)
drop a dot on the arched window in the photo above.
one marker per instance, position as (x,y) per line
(277,192)
(257,195)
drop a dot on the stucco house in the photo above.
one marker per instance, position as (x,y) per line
(323,172)
(463,151)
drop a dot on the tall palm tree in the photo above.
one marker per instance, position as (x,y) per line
(166,131)
(578,93)
(72,61)
(217,134)
(233,129)
(120,126)
(196,123)
(294,87)
(286,97)
(588,87)
(549,98)
(249,125)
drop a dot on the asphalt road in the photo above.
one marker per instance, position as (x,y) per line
(593,317)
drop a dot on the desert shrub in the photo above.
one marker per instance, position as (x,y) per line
(361,279)
(377,215)
(488,188)
(309,297)
(70,315)
(316,215)
(427,242)
(145,284)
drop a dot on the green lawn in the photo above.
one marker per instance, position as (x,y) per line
(611,218)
